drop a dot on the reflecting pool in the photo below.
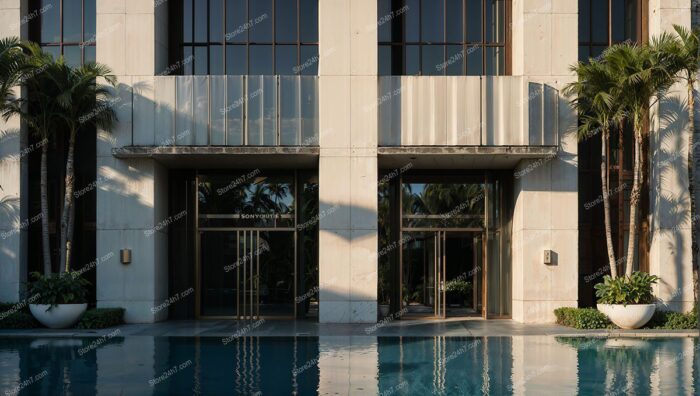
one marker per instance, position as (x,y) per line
(537,365)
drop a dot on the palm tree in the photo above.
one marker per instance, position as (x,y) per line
(86,103)
(640,79)
(597,100)
(12,64)
(683,56)
(40,111)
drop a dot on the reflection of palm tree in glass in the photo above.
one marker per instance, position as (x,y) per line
(449,200)
(279,192)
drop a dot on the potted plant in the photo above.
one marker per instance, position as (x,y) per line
(458,292)
(61,299)
(627,300)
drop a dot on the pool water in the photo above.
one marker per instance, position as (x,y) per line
(144,365)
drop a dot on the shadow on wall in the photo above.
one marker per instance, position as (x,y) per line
(670,197)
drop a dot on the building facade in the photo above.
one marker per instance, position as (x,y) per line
(343,160)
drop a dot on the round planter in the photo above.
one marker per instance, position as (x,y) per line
(631,316)
(60,316)
(383,310)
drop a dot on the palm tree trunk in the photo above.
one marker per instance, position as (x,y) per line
(69,238)
(606,202)
(45,242)
(693,165)
(67,203)
(635,196)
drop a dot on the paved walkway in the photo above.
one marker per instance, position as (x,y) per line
(407,328)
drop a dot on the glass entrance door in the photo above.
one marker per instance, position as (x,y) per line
(442,274)
(247,274)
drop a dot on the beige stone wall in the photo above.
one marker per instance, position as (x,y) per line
(132,195)
(348,160)
(14,215)
(545,44)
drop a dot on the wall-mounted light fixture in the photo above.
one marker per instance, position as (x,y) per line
(125,256)
(548,257)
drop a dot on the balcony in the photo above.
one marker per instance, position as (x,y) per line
(467,111)
(227,111)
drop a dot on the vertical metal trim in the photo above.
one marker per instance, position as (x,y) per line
(226,108)
(245,272)
(244,93)
(278,122)
(208,109)
(257,275)
(197,260)
(300,138)
(174,130)
(238,274)
(443,247)
(543,114)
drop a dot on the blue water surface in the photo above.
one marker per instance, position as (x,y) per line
(144,365)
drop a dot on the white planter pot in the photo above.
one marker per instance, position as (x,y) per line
(60,316)
(632,316)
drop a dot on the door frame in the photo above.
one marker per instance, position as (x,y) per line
(440,266)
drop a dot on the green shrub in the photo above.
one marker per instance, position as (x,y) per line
(635,289)
(582,318)
(101,318)
(14,316)
(675,320)
(62,288)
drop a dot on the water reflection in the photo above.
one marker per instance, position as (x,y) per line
(141,365)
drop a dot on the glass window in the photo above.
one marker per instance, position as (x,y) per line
(446,32)
(454,21)
(599,21)
(201,61)
(50,24)
(308,21)
(236,18)
(286,59)
(65,27)
(274,36)
(260,19)
(236,60)
(286,21)
(260,60)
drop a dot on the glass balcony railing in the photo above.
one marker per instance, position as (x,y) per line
(467,111)
(228,111)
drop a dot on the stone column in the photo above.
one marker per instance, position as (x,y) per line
(132,195)
(545,45)
(348,160)
(14,214)
(670,252)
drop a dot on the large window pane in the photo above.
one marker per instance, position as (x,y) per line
(453,21)
(260,17)
(473,20)
(385,60)
(432,22)
(50,26)
(413,60)
(187,10)
(308,20)
(599,21)
(200,21)
(474,61)
(285,59)
(412,21)
(216,20)
(384,20)
(236,60)
(286,21)
(72,21)
(89,53)
(454,60)
(72,55)
(201,61)
(236,18)
(495,61)
(90,16)
(188,67)
(308,63)
(260,60)
(495,21)
(216,60)
(432,60)
(584,18)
